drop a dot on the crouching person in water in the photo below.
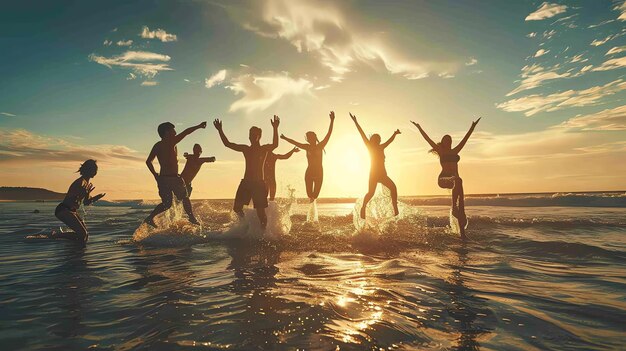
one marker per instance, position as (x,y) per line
(168,180)
(192,166)
(79,191)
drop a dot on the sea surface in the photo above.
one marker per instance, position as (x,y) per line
(540,272)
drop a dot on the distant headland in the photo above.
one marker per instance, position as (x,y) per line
(28,194)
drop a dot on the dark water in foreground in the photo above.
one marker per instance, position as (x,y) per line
(532,278)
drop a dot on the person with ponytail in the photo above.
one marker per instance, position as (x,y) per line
(79,192)
(314,175)
(449,177)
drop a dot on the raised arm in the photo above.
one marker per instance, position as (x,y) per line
(358,127)
(188,131)
(393,136)
(330,129)
(237,147)
(293,142)
(206,159)
(426,137)
(274,122)
(458,148)
(149,160)
(287,155)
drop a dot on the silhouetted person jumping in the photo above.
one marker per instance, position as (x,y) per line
(252,186)
(192,166)
(314,175)
(449,177)
(378,172)
(79,191)
(269,170)
(168,180)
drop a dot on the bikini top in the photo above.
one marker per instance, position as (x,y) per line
(450,158)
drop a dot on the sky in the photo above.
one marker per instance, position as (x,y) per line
(86,79)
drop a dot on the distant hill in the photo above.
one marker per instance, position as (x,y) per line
(28,194)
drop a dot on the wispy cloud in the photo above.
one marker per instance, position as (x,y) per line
(612,64)
(533,104)
(259,92)
(333,37)
(534,75)
(140,62)
(107,42)
(149,83)
(607,120)
(160,34)
(472,61)
(7,114)
(124,42)
(215,79)
(598,42)
(546,10)
(616,50)
(622,9)
(541,52)
(20,146)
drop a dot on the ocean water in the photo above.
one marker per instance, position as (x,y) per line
(540,272)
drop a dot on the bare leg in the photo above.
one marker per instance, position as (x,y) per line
(308,181)
(262,217)
(72,220)
(318,186)
(271,187)
(189,211)
(370,193)
(459,203)
(162,207)
(394,193)
(238,210)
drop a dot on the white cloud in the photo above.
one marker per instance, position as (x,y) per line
(531,35)
(533,104)
(607,120)
(578,58)
(622,9)
(20,146)
(616,50)
(158,34)
(598,42)
(140,62)
(546,10)
(131,76)
(322,29)
(124,42)
(534,75)
(107,42)
(7,114)
(472,61)
(586,68)
(149,83)
(215,79)
(541,52)
(262,91)
(612,64)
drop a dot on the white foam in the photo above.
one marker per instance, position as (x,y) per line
(312,214)
(174,229)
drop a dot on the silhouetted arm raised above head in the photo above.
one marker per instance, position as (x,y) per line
(358,127)
(458,148)
(330,129)
(426,137)
(188,131)
(151,158)
(237,147)
(287,155)
(293,142)
(274,122)
(391,139)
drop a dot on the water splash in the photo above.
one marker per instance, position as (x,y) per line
(312,216)
(174,229)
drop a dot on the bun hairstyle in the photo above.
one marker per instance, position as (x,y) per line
(88,168)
